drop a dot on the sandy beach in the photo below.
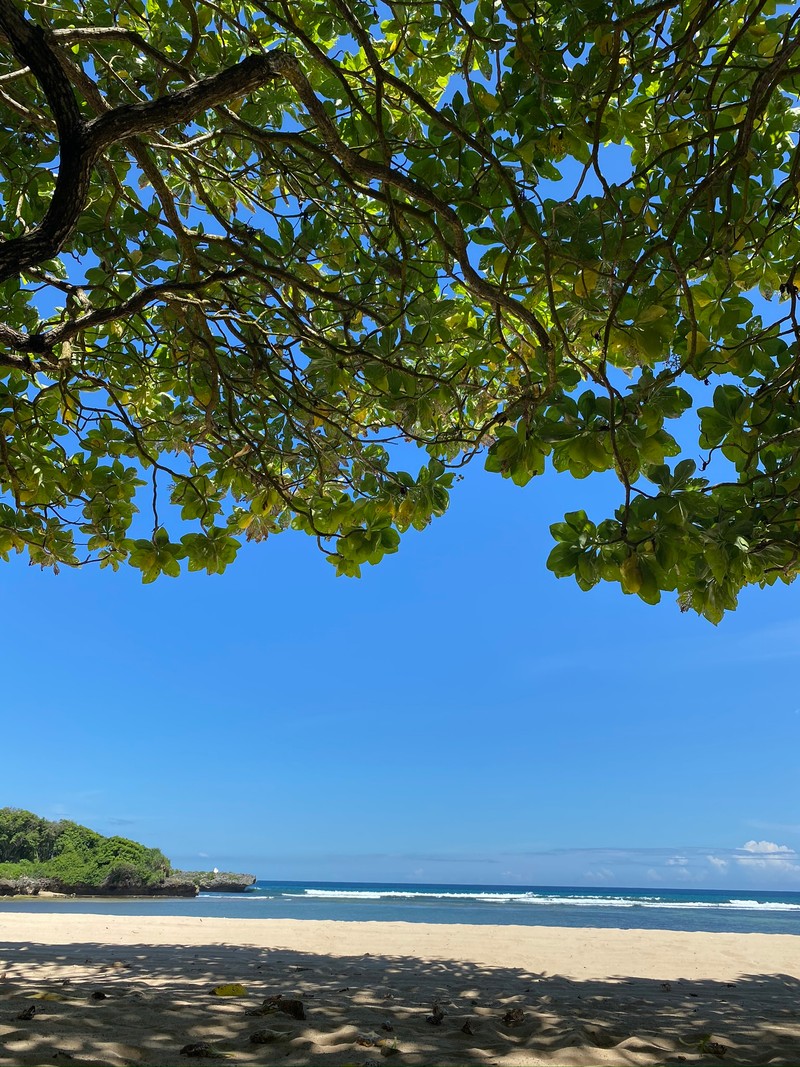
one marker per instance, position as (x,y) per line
(132,990)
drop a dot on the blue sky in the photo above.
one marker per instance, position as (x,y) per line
(458,714)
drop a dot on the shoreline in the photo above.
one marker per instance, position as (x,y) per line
(648,953)
(136,989)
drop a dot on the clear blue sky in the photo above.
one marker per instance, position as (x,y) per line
(456,715)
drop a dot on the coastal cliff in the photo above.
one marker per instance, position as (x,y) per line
(177,884)
(218,881)
(28,886)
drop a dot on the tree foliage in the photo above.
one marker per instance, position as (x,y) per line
(252,251)
(73,854)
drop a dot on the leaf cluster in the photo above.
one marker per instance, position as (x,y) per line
(323,255)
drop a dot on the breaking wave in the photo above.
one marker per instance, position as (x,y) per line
(541,899)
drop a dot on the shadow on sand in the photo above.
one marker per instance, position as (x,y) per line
(373,1009)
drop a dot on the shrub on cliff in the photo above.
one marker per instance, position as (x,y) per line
(74,854)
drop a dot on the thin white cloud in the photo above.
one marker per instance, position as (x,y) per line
(757,864)
(775,827)
(767,855)
(604,874)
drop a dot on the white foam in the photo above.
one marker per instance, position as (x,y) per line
(542,899)
(736,905)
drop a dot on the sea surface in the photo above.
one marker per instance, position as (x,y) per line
(484,905)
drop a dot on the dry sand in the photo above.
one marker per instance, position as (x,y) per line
(120,990)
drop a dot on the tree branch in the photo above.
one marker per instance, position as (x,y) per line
(81,143)
(32,47)
(18,343)
(94,34)
(44,343)
(129,120)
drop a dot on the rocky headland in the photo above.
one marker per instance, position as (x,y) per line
(218,881)
(28,886)
(177,884)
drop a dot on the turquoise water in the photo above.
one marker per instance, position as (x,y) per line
(648,909)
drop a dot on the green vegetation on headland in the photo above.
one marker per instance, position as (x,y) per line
(37,855)
(34,847)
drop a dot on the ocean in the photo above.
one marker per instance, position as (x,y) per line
(626,909)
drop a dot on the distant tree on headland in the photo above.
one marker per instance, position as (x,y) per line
(248,247)
(36,847)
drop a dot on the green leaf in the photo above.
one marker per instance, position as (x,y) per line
(336,278)
(563,560)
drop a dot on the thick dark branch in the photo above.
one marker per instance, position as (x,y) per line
(130,120)
(95,34)
(18,343)
(43,343)
(99,34)
(81,143)
(32,47)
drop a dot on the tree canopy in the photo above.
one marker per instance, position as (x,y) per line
(36,847)
(253,252)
